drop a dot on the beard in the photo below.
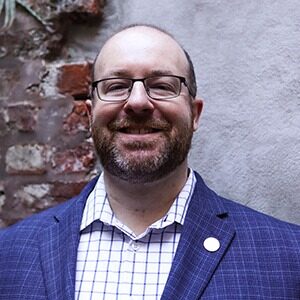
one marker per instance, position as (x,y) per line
(142,161)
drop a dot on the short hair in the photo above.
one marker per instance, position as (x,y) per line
(191,80)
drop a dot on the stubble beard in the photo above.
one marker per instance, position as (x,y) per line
(135,165)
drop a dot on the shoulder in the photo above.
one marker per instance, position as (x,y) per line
(264,226)
(256,235)
(28,229)
(255,249)
(247,221)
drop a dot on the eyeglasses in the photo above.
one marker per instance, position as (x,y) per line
(157,87)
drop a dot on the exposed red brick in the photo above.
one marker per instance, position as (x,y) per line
(78,119)
(32,111)
(34,196)
(23,116)
(45,9)
(91,7)
(27,159)
(62,191)
(80,159)
(74,79)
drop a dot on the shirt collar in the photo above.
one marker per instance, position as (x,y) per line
(97,208)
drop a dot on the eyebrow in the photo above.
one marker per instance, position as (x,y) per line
(126,73)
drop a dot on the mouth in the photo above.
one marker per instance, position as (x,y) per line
(132,130)
(139,128)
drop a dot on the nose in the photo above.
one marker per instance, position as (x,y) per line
(138,101)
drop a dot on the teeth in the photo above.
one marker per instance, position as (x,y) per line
(139,130)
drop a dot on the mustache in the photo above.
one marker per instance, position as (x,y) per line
(157,124)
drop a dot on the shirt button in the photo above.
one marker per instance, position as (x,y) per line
(134,245)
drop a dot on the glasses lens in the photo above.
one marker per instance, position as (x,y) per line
(116,89)
(163,87)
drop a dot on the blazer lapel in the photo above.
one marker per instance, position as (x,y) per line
(58,248)
(194,264)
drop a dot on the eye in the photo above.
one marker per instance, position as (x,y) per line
(163,86)
(114,86)
(162,89)
(117,87)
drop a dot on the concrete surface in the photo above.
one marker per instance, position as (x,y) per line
(247,60)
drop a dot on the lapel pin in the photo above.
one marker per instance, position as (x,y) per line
(211,244)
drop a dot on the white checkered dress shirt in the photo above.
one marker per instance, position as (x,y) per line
(114,263)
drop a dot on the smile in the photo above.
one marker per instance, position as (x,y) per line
(139,130)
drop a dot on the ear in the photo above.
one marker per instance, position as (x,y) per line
(89,107)
(197,105)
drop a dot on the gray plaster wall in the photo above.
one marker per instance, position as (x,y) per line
(247,61)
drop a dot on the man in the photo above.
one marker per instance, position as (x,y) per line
(148,227)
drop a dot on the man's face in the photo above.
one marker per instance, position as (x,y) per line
(141,140)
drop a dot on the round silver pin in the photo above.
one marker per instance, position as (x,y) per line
(211,244)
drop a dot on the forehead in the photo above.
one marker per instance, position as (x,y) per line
(140,51)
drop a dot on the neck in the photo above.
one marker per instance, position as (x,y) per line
(139,205)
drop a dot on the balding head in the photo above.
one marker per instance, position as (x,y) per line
(140,41)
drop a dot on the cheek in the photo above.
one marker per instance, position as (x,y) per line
(178,115)
(103,113)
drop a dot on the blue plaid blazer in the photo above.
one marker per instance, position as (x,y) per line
(259,257)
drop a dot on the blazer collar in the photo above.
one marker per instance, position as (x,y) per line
(58,247)
(193,264)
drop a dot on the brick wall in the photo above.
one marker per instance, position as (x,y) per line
(46,153)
